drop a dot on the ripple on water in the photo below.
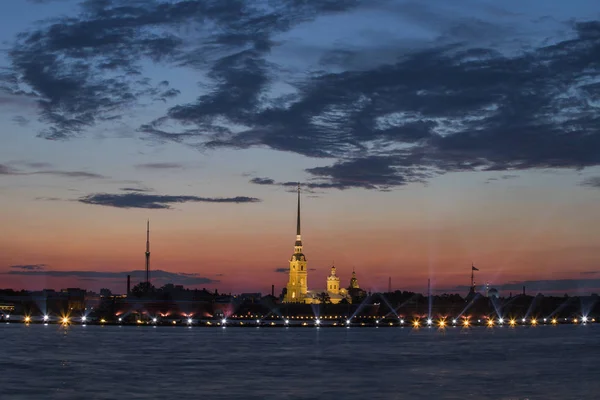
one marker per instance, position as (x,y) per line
(93,362)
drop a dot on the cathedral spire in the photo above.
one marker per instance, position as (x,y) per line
(298,244)
(298,221)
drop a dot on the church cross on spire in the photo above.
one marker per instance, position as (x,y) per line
(298,221)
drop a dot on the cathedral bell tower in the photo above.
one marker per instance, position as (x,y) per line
(354,281)
(297,286)
(333,282)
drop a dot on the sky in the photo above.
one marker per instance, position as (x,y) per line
(427,136)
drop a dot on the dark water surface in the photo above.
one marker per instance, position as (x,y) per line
(112,362)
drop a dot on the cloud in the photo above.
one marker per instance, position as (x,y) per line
(474,96)
(262,181)
(593,182)
(449,108)
(36,164)
(69,174)
(45,198)
(87,68)
(164,165)
(20,120)
(503,177)
(6,170)
(29,267)
(156,275)
(590,273)
(150,201)
(308,186)
(282,270)
(131,189)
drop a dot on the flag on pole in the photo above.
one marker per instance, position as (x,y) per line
(473,268)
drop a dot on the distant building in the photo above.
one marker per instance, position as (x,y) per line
(250,297)
(297,286)
(297,291)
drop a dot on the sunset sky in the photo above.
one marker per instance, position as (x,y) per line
(427,135)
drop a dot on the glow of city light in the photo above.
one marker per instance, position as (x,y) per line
(347,322)
(454,321)
(46,318)
(154,320)
(523,320)
(224,321)
(189,320)
(512,322)
(442,323)
(429,322)
(490,322)
(258,321)
(65,320)
(317,321)
(28,319)
(377,321)
(501,320)
(584,319)
(416,323)
(287,321)
(120,319)
(466,322)
(554,321)
(533,321)
(83,319)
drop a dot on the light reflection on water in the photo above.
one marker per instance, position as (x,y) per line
(94,362)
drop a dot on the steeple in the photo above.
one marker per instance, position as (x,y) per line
(353,280)
(333,282)
(298,244)
(297,287)
(148,254)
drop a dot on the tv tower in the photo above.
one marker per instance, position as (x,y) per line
(148,255)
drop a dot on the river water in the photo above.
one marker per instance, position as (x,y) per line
(112,362)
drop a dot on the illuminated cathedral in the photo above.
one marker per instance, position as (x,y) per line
(297,286)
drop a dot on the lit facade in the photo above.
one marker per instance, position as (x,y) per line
(297,286)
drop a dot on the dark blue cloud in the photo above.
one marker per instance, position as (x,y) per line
(8,170)
(454,103)
(593,182)
(161,165)
(29,267)
(155,201)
